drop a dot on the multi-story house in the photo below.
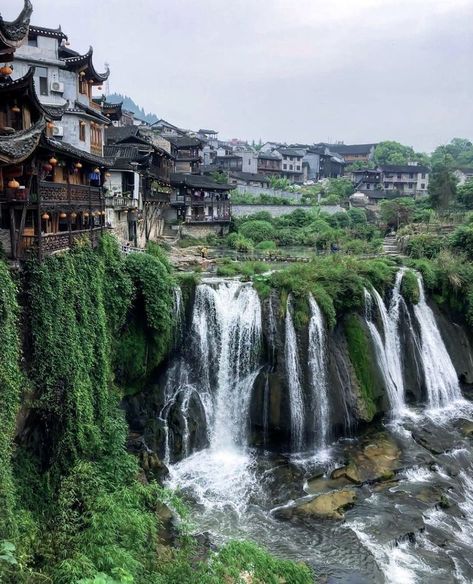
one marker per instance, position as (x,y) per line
(463,175)
(406,179)
(321,162)
(186,151)
(269,163)
(292,167)
(64,78)
(202,205)
(138,184)
(50,191)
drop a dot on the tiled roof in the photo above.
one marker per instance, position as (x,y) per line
(85,62)
(198,181)
(404,168)
(81,108)
(269,156)
(249,176)
(185,141)
(115,134)
(291,152)
(350,148)
(67,149)
(47,32)
(14,148)
(26,85)
(12,34)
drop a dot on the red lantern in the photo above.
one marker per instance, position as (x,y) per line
(6,70)
(13,184)
(53,161)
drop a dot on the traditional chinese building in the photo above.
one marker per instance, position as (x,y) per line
(50,190)
(201,205)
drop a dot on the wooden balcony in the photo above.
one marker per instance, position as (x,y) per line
(54,242)
(61,193)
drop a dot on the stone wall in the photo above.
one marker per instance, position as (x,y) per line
(204,229)
(242,210)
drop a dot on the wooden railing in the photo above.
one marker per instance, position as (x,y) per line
(60,193)
(52,242)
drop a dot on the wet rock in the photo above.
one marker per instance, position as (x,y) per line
(325,485)
(152,465)
(433,439)
(330,505)
(376,461)
(466,428)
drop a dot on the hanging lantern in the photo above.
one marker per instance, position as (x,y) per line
(62,215)
(86,214)
(78,165)
(15,109)
(53,161)
(82,73)
(103,212)
(50,125)
(108,175)
(13,184)
(45,216)
(47,167)
(6,70)
(97,170)
(73,215)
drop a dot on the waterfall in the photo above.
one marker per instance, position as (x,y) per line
(293,371)
(441,379)
(226,332)
(388,346)
(318,375)
(178,315)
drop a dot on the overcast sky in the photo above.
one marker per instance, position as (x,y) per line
(286,70)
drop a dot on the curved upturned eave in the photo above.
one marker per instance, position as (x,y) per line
(13,34)
(51,112)
(84,62)
(17,147)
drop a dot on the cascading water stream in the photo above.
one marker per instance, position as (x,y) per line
(388,345)
(441,380)
(318,375)
(293,371)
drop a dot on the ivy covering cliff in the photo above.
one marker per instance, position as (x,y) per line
(75,506)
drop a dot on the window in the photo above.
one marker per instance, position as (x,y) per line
(249,161)
(399,176)
(42,74)
(291,167)
(423,175)
(298,167)
(82,131)
(33,42)
(284,166)
(422,185)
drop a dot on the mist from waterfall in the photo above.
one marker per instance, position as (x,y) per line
(320,406)
(388,343)
(440,377)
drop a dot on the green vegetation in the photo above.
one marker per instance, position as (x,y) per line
(348,232)
(261,199)
(390,152)
(75,507)
(228,269)
(336,282)
(360,353)
(410,287)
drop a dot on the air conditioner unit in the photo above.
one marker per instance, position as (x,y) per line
(58,131)
(57,86)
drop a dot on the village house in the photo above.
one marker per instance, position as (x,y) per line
(463,175)
(269,163)
(407,179)
(352,152)
(186,151)
(201,205)
(138,183)
(292,168)
(50,189)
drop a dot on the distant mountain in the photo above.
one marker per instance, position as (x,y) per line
(131,106)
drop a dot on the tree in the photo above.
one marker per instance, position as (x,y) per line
(442,186)
(397,212)
(390,152)
(465,194)
(459,153)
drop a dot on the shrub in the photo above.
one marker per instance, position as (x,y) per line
(425,245)
(266,246)
(257,230)
(410,287)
